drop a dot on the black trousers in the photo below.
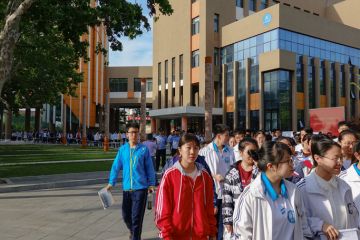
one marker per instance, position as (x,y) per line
(160,153)
(133,210)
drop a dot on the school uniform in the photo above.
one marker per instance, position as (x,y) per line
(219,163)
(352,177)
(137,176)
(328,202)
(260,213)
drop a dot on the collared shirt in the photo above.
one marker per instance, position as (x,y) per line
(161,142)
(283,214)
(338,208)
(237,153)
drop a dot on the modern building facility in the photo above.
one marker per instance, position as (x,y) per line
(89,102)
(125,92)
(272,61)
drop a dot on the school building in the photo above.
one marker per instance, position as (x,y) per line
(272,61)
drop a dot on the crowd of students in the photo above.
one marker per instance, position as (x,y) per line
(245,185)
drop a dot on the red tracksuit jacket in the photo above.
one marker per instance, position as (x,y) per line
(184,207)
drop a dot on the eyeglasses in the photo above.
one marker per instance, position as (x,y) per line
(135,132)
(290,161)
(339,159)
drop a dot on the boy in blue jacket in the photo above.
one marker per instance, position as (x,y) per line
(134,159)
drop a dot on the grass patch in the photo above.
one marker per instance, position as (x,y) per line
(38,153)
(48,169)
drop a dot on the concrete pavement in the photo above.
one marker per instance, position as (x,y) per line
(17,184)
(62,214)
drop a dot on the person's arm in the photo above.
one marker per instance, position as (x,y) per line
(164,208)
(228,201)
(115,169)
(301,214)
(149,168)
(210,206)
(243,221)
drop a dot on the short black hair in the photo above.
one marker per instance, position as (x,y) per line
(321,147)
(343,123)
(132,125)
(239,131)
(189,137)
(356,147)
(348,132)
(272,152)
(307,130)
(220,129)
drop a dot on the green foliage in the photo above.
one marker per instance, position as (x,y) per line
(48,51)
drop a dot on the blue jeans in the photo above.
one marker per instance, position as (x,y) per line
(133,210)
(219,219)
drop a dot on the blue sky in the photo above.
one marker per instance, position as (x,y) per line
(136,52)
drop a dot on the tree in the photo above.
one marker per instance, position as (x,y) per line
(71,19)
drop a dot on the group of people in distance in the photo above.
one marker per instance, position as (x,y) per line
(256,187)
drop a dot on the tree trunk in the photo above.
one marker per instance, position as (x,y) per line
(27,119)
(9,35)
(37,120)
(8,128)
(1,121)
(209,98)
(143,111)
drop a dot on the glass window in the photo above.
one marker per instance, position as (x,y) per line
(195,58)
(254,119)
(342,81)
(322,79)
(195,26)
(216,56)
(252,5)
(149,85)
(118,84)
(263,4)
(254,79)
(229,80)
(277,100)
(216,22)
(173,69)
(240,3)
(181,67)
(137,84)
(166,71)
(159,73)
(333,85)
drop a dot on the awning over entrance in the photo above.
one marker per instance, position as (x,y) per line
(178,112)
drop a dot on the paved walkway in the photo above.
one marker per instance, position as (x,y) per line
(65,214)
(56,162)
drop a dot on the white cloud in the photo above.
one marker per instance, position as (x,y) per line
(136,52)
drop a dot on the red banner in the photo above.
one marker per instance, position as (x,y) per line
(326,119)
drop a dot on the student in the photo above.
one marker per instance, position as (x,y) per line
(184,201)
(271,207)
(347,138)
(237,178)
(239,135)
(303,131)
(327,198)
(232,141)
(352,175)
(260,137)
(138,175)
(342,126)
(219,157)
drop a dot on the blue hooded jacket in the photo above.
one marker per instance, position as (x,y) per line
(138,170)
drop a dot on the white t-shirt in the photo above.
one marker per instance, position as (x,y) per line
(237,153)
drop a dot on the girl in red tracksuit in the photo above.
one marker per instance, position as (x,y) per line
(184,201)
